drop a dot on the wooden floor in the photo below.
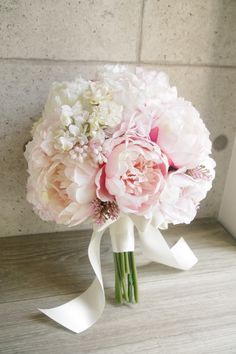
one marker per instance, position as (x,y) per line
(191,312)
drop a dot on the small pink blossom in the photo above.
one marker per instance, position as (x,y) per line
(103,211)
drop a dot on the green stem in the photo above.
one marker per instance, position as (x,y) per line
(127,262)
(134,276)
(122,263)
(130,288)
(118,293)
(126,281)
(121,277)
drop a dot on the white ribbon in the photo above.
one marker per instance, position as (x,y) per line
(82,312)
(122,235)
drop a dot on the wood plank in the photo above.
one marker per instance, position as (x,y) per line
(179,312)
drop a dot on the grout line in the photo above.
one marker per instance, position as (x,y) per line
(191,65)
(44,61)
(140,41)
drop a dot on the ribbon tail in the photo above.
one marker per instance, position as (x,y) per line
(82,312)
(155,247)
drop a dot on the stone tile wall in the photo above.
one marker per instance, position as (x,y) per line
(51,40)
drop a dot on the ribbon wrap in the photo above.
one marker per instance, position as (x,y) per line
(82,312)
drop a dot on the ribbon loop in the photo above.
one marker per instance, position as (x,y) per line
(155,247)
(82,312)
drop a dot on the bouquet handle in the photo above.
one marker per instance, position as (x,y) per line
(126,279)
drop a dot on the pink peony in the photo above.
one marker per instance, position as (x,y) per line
(133,176)
(60,189)
(182,194)
(182,135)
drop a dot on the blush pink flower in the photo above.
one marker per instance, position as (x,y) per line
(181,134)
(133,176)
(59,189)
(182,194)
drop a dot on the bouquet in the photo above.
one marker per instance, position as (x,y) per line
(119,150)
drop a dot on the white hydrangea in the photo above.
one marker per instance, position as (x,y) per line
(97,92)
(107,113)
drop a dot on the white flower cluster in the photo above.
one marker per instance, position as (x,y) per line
(83,125)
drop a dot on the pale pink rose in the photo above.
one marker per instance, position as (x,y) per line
(176,202)
(181,134)
(182,194)
(59,189)
(133,176)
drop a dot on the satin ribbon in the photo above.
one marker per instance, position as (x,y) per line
(82,312)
